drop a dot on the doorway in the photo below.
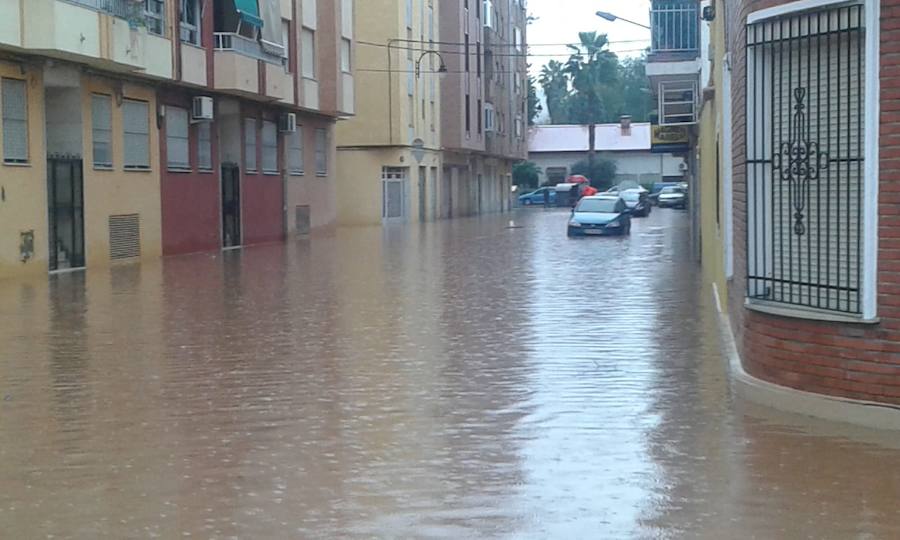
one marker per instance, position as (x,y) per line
(65,201)
(231,205)
(393,180)
(423,205)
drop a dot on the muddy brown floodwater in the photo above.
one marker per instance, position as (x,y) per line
(464,379)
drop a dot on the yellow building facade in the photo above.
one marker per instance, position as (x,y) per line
(713,168)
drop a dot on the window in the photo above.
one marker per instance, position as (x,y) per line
(136,139)
(250,144)
(286,40)
(269,147)
(204,146)
(478,58)
(308,52)
(15,121)
(518,126)
(479,116)
(517,39)
(345,55)
(101,131)
(295,152)
(468,114)
(321,152)
(805,146)
(675,26)
(466,51)
(177,139)
(155,15)
(190,21)
(489,117)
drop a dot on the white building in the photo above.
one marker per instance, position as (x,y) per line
(555,149)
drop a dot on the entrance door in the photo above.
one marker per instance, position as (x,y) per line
(231,205)
(393,193)
(65,202)
(423,179)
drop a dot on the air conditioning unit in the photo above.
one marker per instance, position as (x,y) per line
(202,109)
(287,123)
(683,167)
(487,14)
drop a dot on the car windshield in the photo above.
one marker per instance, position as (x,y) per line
(631,196)
(671,190)
(598,206)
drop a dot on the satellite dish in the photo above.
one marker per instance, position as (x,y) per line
(418,150)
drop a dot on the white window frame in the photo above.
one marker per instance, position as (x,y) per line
(308,53)
(346,55)
(204,141)
(145,165)
(155,14)
(7,121)
(269,146)
(872,83)
(321,152)
(178,138)
(295,153)
(489,118)
(189,29)
(98,129)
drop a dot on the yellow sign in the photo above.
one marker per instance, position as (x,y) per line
(670,138)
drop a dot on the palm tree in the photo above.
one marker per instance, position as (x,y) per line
(555,82)
(593,68)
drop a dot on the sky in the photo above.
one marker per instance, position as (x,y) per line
(559,21)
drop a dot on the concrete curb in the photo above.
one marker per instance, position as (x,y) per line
(863,413)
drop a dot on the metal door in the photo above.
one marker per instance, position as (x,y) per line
(231,205)
(393,194)
(65,202)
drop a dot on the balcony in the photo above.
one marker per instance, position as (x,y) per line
(675,40)
(272,53)
(108,34)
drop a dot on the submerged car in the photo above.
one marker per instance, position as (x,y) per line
(673,197)
(657,189)
(537,197)
(600,215)
(637,201)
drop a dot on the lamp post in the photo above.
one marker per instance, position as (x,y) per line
(613,18)
(441,70)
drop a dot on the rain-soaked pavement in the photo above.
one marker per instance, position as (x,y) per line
(463,379)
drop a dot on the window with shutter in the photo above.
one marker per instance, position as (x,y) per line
(177,139)
(269,147)
(250,144)
(204,146)
(321,152)
(101,131)
(308,52)
(805,147)
(295,152)
(15,120)
(136,130)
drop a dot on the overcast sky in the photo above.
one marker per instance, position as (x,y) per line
(559,21)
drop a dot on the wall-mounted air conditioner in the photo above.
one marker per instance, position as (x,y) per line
(287,123)
(202,109)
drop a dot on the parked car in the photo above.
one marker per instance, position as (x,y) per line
(568,194)
(657,189)
(600,215)
(537,197)
(637,201)
(673,197)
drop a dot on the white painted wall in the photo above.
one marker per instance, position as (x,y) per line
(630,164)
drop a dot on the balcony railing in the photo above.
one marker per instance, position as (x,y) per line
(229,41)
(149,13)
(675,27)
(678,103)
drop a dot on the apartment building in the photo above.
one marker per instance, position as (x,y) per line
(443,117)
(484,107)
(134,129)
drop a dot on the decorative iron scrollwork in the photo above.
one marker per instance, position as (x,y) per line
(804,161)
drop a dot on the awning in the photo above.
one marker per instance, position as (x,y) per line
(248,11)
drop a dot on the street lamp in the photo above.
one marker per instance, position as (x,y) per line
(613,18)
(442,69)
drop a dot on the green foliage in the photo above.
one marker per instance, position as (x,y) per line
(601,175)
(534,103)
(526,174)
(594,86)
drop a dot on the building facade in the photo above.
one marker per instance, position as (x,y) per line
(442,120)
(805,123)
(555,149)
(137,129)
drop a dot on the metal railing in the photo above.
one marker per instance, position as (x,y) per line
(149,13)
(229,41)
(805,148)
(675,26)
(678,103)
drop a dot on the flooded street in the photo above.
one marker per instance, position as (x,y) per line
(463,379)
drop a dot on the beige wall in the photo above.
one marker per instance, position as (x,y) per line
(319,192)
(23,204)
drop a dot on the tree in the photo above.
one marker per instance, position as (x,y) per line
(637,97)
(593,70)
(601,174)
(526,174)
(555,82)
(534,103)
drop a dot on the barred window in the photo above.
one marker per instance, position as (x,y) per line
(204,146)
(321,152)
(295,152)
(805,159)
(269,147)
(101,130)
(15,120)
(250,144)
(136,136)
(177,139)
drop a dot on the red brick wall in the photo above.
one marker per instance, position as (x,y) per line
(838,359)
(262,195)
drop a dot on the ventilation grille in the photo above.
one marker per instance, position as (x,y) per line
(302,219)
(124,236)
